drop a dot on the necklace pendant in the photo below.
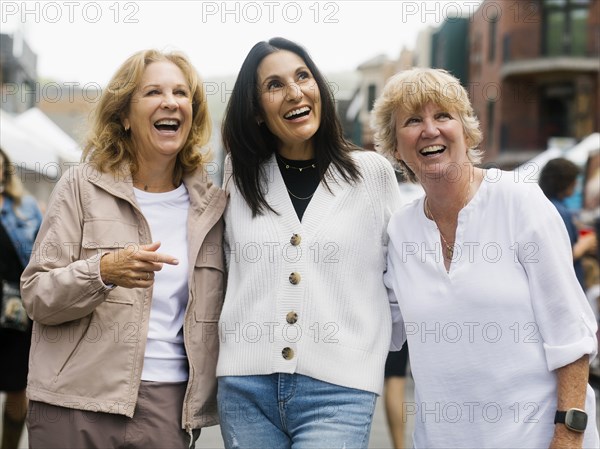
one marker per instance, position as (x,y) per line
(300,169)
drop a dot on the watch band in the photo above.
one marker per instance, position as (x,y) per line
(559,418)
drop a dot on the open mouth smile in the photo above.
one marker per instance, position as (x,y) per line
(297,113)
(167,124)
(432,150)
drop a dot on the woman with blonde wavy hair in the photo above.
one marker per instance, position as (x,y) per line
(483,289)
(131,359)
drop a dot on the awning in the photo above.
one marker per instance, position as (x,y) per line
(45,130)
(24,150)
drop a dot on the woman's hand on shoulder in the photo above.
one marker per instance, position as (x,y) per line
(133,266)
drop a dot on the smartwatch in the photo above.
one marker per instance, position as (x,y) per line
(574,419)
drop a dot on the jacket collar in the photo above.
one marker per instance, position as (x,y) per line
(202,192)
(120,184)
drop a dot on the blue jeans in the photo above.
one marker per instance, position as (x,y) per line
(285,411)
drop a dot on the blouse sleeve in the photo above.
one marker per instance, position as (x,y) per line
(563,315)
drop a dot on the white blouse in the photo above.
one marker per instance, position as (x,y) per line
(486,336)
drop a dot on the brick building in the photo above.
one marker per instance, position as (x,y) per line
(534,73)
(374,73)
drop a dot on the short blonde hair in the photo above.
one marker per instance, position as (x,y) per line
(409,91)
(109,144)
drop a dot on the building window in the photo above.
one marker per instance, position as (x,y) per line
(490,120)
(371,96)
(565,27)
(557,104)
(493,31)
(476,55)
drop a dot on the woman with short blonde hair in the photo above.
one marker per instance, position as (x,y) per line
(409,91)
(482,285)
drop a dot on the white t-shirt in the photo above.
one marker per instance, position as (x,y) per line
(485,337)
(165,359)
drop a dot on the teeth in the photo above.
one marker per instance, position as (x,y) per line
(296,112)
(168,122)
(432,149)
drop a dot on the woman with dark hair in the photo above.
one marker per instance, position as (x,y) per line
(558,180)
(257,142)
(20,220)
(305,328)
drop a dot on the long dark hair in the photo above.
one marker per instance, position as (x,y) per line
(250,143)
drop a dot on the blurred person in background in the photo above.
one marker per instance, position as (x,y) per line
(122,356)
(20,219)
(393,393)
(500,332)
(558,180)
(317,208)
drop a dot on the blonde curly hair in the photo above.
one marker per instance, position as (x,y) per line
(409,91)
(109,144)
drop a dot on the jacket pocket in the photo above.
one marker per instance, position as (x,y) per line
(206,333)
(208,290)
(101,235)
(78,342)
(209,286)
(121,295)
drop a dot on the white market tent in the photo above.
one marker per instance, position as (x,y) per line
(40,151)
(580,152)
(577,154)
(43,128)
(23,147)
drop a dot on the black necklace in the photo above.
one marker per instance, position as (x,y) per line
(287,165)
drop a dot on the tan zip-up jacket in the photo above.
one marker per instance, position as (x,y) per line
(89,340)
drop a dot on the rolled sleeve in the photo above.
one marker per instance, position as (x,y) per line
(565,319)
(559,356)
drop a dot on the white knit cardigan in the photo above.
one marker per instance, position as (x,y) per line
(318,307)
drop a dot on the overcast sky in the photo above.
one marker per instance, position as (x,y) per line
(84,41)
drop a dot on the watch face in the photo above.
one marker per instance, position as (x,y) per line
(576,420)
